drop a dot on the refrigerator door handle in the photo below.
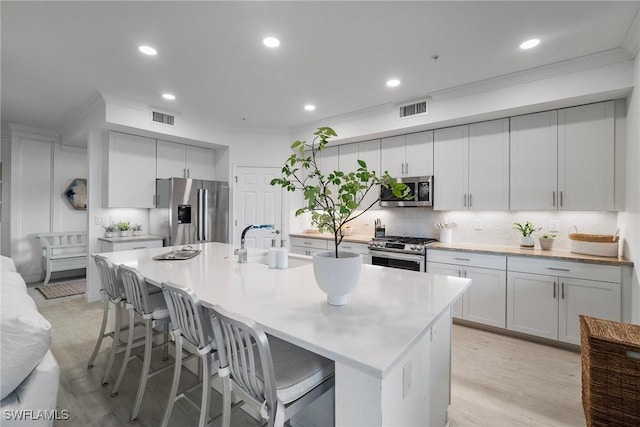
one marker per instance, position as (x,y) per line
(205,215)
(200,217)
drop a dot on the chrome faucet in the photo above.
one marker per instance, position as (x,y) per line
(242,252)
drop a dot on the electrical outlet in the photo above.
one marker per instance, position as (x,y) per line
(100,220)
(406,378)
(554,225)
(477,224)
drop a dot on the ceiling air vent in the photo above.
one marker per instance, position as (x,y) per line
(165,119)
(413,109)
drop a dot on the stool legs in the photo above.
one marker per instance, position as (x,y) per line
(176,380)
(127,354)
(144,375)
(105,315)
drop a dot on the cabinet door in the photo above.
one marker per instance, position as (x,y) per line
(450,168)
(586,157)
(588,297)
(170,160)
(199,162)
(448,270)
(440,370)
(419,154)
(369,151)
(534,161)
(392,156)
(348,157)
(489,165)
(532,304)
(131,171)
(485,300)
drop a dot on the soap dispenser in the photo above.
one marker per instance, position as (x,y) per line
(283,256)
(272,255)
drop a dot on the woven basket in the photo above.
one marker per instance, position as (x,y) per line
(610,372)
(593,244)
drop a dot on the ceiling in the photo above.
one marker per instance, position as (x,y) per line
(337,55)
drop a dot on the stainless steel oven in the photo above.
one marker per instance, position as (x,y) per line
(398,260)
(406,253)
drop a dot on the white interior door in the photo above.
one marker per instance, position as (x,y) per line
(257,202)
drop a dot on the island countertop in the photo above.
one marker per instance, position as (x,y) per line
(386,315)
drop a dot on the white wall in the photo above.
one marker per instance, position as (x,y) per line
(629,220)
(69,163)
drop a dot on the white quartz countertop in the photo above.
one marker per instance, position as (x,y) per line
(387,313)
(141,238)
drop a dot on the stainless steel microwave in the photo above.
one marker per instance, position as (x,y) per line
(421,188)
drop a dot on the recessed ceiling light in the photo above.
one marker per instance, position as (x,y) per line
(309,107)
(530,43)
(271,42)
(393,82)
(147,50)
(169,96)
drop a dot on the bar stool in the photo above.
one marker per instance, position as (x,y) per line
(112,294)
(275,377)
(192,331)
(153,311)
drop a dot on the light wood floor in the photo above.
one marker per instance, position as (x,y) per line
(496,380)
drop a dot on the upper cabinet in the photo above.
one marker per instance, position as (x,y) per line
(564,160)
(130,171)
(471,166)
(408,155)
(179,160)
(586,140)
(369,152)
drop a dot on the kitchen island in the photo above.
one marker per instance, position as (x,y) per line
(382,341)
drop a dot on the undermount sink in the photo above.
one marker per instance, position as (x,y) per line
(294,261)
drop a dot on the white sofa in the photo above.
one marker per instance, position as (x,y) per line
(29,374)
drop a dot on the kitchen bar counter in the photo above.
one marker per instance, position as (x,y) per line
(386,325)
(559,254)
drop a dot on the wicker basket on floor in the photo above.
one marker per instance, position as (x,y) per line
(610,372)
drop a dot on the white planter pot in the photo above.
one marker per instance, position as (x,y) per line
(546,244)
(137,233)
(125,233)
(108,234)
(527,242)
(337,276)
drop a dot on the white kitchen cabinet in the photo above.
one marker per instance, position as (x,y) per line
(471,166)
(548,305)
(302,246)
(564,159)
(440,370)
(130,243)
(369,152)
(534,161)
(359,248)
(185,161)
(408,155)
(484,301)
(586,157)
(130,171)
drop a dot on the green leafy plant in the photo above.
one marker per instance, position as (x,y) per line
(549,236)
(525,229)
(330,211)
(123,226)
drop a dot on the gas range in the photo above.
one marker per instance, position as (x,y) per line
(406,245)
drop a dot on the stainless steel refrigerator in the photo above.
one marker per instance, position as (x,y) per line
(191,211)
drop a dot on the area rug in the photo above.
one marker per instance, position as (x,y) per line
(63,289)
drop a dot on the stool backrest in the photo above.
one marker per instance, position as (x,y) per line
(108,277)
(135,288)
(238,338)
(187,315)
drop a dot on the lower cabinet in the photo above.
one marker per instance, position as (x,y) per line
(484,301)
(548,305)
(126,245)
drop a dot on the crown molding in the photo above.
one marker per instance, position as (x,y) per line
(582,63)
(631,42)
(22,131)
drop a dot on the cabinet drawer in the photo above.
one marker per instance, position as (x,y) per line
(126,246)
(360,248)
(309,243)
(578,270)
(497,262)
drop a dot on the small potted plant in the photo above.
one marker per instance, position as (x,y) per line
(109,230)
(546,241)
(125,228)
(137,229)
(526,239)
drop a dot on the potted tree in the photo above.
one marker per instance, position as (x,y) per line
(334,199)
(526,239)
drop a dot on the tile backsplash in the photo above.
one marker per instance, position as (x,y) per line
(494,228)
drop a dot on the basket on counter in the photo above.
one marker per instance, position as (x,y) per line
(593,244)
